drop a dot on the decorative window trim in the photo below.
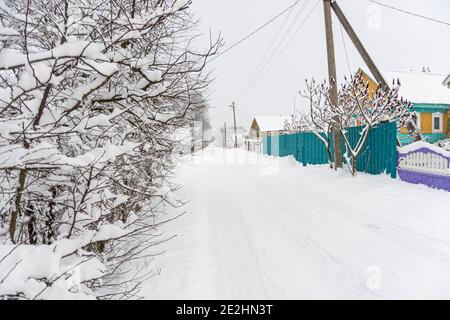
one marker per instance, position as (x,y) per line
(418,122)
(441,122)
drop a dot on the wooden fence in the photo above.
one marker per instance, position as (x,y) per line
(424,163)
(379,154)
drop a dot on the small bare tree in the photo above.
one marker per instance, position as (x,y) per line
(318,118)
(357,106)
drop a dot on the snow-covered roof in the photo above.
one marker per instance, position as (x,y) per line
(271,123)
(420,87)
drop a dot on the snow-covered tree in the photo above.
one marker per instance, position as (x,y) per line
(319,117)
(91,94)
(357,106)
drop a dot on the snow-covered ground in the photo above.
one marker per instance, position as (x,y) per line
(261,227)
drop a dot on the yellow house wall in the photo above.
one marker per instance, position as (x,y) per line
(372,84)
(426,122)
(254,126)
(255,129)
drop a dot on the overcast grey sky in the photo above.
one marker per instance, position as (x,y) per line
(395,41)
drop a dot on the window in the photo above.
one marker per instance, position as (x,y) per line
(437,122)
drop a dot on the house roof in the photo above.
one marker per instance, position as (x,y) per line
(419,87)
(271,123)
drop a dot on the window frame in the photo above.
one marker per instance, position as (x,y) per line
(448,124)
(441,122)
(418,122)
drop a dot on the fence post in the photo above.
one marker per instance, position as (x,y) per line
(303,151)
(394,154)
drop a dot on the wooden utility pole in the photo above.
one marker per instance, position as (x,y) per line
(234,119)
(358,44)
(224,135)
(333,82)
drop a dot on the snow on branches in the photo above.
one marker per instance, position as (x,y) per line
(319,116)
(91,94)
(357,105)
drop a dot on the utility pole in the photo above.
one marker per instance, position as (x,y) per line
(333,82)
(224,135)
(234,119)
(358,44)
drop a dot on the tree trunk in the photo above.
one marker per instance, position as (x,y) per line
(329,155)
(29,212)
(353,165)
(16,213)
(49,223)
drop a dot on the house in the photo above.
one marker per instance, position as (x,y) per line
(263,126)
(430,100)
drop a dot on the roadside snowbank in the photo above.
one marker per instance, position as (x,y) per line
(422,144)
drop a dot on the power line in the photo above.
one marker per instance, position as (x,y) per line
(255,31)
(345,49)
(410,13)
(298,29)
(266,54)
(274,52)
(286,45)
(277,47)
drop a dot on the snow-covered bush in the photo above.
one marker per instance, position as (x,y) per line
(91,93)
(444,144)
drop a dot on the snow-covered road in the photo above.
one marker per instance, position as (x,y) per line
(260,227)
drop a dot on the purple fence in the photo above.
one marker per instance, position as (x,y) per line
(424,163)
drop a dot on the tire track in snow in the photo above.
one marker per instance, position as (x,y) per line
(284,237)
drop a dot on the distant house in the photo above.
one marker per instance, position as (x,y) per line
(263,126)
(220,135)
(430,100)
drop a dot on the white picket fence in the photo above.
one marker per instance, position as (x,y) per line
(253,145)
(425,162)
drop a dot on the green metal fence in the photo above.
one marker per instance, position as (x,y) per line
(379,154)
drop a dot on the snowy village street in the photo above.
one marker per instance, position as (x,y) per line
(224,150)
(275,229)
